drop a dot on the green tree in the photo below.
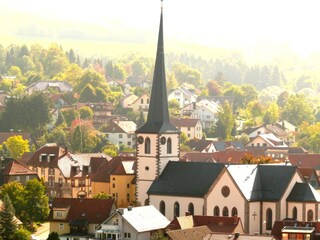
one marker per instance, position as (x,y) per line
(187,74)
(102,195)
(308,137)
(271,116)
(22,234)
(83,137)
(69,115)
(36,202)
(15,191)
(58,135)
(225,122)
(17,146)
(89,76)
(88,94)
(297,110)
(14,71)
(158,235)
(183,138)
(110,149)
(7,222)
(174,106)
(53,236)
(213,88)
(86,113)
(55,61)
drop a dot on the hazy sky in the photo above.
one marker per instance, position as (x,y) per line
(223,23)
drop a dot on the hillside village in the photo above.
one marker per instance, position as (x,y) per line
(171,164)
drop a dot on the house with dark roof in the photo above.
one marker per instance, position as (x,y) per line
(117,179)
(16,171)
(77,218)
(49,86)
(191,127)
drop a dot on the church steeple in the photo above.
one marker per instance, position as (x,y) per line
(158,114)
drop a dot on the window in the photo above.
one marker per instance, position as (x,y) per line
(191,208)
(18,178)
(234,212)
(51,171)
(43,170)
(120,135)
(129,143)
(216,211)
(269,219)
(225,212)
(294,213)
(61,226)
(225,191)
(128,185)
(169,146)
(176,209)
(128,197)
(310,215)
(147,146)
(113,185)
(59,214)
(127,235)
(162,208)
(148,100)
(51,157)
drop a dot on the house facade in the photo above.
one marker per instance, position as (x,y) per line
(191,127)
(121,133)
(183,95)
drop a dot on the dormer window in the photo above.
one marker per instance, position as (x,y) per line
(51,157)
(43,157)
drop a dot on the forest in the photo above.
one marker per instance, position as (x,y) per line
(261,93)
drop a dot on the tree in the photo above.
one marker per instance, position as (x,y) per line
(86,113)
(187,74)
(158,235)
(69,115)
(110,149)
(250,159)
(7,222)
(308,137)
(53,236)
(17,146)
(36,202)
(89,76)
(55,61)
(213,88)
(102,195)
(22,234)
(271,116)
(183,138)
(15,191)
(58,135)
(82,136)
(174,106)
(225,122)
(297,110)
(88,94)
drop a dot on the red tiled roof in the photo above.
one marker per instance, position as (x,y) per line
(93,210)
(305,160)
(47,149)
(215,223)
(112,167)
(198,157)
(184,122)
(17,168)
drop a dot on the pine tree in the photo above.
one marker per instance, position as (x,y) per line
(7,222)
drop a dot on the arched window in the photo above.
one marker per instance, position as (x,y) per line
(176,209)
(191,208)
(216,211)
(234,212)
(147,146)
(294,213)
(169,146)
(269,219)
(225,212)
(162,208)
(310,215)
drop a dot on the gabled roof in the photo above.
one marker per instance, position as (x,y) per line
(115,166)
(198,145)
(271,139)
(17,168)
(145,218)
(305,160)
(158,113)
(184,122)
(303,192)
(262,182)
(118,126)
(63,86)
(198,157)
(191,179)
(189,233)
(223,145)
(215,223)
(92,210)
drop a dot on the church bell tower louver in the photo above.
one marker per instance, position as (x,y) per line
(157,139)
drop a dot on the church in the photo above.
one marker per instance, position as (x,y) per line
(258,194)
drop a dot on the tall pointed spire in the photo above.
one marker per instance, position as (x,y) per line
(158,114)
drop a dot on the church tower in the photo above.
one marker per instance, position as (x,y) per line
(157,139)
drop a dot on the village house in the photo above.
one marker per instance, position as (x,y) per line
(135,223)
(77,218)
(141,103)
(183,95)
(117,179)
(120,132)
(191,127)
(127,101)
(49,86)
(268,140)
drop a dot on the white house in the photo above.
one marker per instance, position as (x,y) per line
(121,132)
(183,95)
(267,140)
(134,223)
(206,111)
(191,127)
